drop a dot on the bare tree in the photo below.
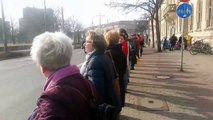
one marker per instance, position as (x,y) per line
(152,7)
(13,31)
(150,17)
(57,20)
(142,26)
(72,25)
(73,28)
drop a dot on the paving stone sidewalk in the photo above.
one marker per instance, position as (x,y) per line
(159,91)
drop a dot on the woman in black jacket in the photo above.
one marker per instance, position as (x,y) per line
(118,58)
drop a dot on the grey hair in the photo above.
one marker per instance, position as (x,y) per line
(52,50)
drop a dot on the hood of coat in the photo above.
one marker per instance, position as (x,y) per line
(116,47)
(60,74)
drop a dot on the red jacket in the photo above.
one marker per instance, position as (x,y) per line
(140,40)
(125,48)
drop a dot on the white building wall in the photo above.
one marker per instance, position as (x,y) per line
(204,33)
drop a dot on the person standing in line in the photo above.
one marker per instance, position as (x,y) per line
(119,59)
(98,69)
(125,49)
(59,99)
(133,51)
(141,44)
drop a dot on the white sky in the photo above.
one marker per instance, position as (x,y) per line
(84,11)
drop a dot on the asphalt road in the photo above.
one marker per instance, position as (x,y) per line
(21,85)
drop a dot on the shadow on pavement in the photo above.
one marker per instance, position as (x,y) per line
(123,117)
(186,95)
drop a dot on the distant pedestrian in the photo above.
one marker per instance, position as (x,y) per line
(141,44)
(173,39)
(165,43)
(59,99)
(149,42)
(184,42)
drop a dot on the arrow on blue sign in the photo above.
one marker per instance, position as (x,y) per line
(184,10)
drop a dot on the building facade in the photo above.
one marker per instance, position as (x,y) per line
(199,25)
(131,26)
(33,22)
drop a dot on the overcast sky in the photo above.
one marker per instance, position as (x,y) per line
(85,11)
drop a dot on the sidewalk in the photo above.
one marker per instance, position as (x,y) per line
(14,54)
(159,91)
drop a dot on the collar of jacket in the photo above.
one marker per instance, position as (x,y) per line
(94,52)
(88,56)
(60,74)
(114,47)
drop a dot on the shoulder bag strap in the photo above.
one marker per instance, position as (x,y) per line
(91,101)
(74,89)
(113,62)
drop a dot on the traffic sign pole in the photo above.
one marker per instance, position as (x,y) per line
(183,11)
(182,46)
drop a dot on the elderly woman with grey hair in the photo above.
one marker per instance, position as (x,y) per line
(60,98)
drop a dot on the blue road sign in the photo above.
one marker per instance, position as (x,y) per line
(184,10)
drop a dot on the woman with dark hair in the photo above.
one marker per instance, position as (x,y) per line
(125,49)
(124,42)
(98,69)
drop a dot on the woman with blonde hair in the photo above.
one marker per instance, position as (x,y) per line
(114,51)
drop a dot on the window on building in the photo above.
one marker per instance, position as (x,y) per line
(199,14)
(173,1)
(170,1)
(209,19)
(191,20)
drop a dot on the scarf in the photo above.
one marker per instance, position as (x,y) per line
(84,65)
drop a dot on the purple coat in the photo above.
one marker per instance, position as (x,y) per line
(62,103)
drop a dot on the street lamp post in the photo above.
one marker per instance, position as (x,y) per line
(100,15)
(62,15)
(45,17)
(3,28)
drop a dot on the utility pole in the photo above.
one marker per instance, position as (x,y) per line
(45,17)
(3,28)
(92,22)
(100,18)
(62,15)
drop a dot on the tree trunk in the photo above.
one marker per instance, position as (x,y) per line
(153,37)
(158,32)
